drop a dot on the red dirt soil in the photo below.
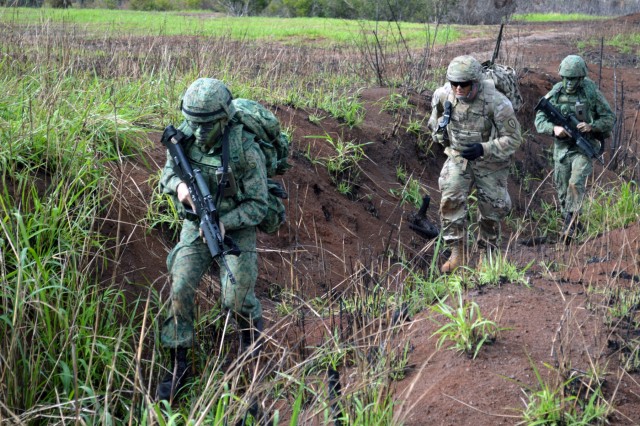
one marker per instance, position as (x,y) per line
(327,234)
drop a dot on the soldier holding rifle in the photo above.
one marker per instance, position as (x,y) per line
(579,117)
(222,203)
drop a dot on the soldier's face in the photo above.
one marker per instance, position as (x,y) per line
(571,84)
(206,133)
(462,88)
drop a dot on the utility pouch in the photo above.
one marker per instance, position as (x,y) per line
(230,189)
(581,113)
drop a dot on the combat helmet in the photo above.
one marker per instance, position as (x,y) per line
(573,66)
(206,100)
(464,68)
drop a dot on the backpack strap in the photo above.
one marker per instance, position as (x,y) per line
(225,165)
(489,88)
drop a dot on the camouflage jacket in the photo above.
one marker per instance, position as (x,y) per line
(249,204)
(489,119)
(597,113)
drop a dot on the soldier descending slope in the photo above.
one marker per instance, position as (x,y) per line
(242,204)
(590,118)
(480,139)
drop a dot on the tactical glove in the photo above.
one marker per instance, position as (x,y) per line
(472,152)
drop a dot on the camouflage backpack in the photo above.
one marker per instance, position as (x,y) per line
(505,80)
(262,123)
(275,147)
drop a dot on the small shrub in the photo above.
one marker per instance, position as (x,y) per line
(465,326)
(496,270)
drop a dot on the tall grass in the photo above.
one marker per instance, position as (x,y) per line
(66,338)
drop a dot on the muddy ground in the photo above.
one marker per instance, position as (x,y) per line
(328,236)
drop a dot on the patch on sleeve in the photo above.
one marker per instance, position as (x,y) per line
(511,125)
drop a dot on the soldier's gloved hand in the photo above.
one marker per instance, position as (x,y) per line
(182,191)
(472,152)
(559,132)
(584,127)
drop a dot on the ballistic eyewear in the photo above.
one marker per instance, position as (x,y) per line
(462,84)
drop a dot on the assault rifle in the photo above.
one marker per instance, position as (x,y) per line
(206,211)
(569,124)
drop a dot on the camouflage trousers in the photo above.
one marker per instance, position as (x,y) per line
(457,178)
(188,262)
(570,173)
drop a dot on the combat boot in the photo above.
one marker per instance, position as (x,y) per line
(455,259)
(251,338)
(176,378)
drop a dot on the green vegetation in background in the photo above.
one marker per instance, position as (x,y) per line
(319,32)
(626,43)
(556,17)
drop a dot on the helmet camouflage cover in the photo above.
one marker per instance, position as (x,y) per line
(206,100)
(573,66)
(464,68)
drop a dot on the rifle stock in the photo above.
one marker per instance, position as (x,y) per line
(569,124)
(206,210)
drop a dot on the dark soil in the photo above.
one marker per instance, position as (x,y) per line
(328,235)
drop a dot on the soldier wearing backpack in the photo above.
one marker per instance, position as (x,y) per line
(480,139)
(576,95)
(210,123)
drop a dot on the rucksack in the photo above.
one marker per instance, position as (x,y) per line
(275,147)
(262,123)
(505,80)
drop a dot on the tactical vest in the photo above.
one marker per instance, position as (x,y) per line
(472,122)
(566,104)
(209,164)
(240,141)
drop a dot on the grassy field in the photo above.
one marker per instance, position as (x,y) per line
(319,32)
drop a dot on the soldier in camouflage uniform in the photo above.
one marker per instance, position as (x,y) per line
(209,114)
(480,140)
(575,94)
